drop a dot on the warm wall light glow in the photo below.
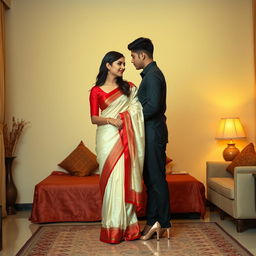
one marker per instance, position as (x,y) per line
(230,128)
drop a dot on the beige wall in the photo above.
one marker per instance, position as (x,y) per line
(54,48)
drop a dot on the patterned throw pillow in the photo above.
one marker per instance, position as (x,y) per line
(247,157)
(80,162)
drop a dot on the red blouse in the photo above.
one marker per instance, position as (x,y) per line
(98,98)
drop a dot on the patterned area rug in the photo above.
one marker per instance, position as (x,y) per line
(79,240)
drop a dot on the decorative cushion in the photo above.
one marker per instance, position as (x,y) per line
(168,165)
(168,160)
(247,157)
(80,162)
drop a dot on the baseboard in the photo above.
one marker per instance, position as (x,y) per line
(23,207)
(187,215)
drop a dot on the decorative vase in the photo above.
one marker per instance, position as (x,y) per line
(11,190)
(230,152)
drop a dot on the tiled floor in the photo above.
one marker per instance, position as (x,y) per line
(17,229)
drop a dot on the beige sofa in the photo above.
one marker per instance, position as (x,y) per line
(233,195)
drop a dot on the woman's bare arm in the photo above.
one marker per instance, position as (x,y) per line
(98,120)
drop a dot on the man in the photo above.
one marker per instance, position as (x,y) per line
(152,96)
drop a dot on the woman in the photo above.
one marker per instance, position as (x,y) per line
(119,147)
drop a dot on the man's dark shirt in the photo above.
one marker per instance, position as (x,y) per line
(152,96)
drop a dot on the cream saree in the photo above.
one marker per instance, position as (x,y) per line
(120,154)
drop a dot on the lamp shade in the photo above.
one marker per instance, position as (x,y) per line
(230,128)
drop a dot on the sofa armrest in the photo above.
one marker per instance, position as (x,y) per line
(244,189)
(217,169)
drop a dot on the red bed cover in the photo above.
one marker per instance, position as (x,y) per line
(61,197)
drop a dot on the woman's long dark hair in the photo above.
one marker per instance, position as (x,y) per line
(110,57)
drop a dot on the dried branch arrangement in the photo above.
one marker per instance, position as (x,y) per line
(11,137)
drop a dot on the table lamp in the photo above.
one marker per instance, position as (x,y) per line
(229,129)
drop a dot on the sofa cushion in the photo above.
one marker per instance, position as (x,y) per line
(223,186)
(247,157)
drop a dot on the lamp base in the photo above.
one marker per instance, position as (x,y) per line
(230,152)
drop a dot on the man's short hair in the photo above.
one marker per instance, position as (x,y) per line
(142,44)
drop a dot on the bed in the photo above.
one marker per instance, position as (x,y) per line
(61,197)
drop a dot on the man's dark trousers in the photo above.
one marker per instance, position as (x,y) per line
(152,95)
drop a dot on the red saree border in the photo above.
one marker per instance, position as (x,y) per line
(127,135)
(113,97)
(110,163)
(130,134)
(116,235)
(126,145)
(115,153)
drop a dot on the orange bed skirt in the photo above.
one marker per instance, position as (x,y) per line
(61,197)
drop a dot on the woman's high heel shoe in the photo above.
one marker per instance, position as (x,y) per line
(154,229)
(168,230)
(162,232)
